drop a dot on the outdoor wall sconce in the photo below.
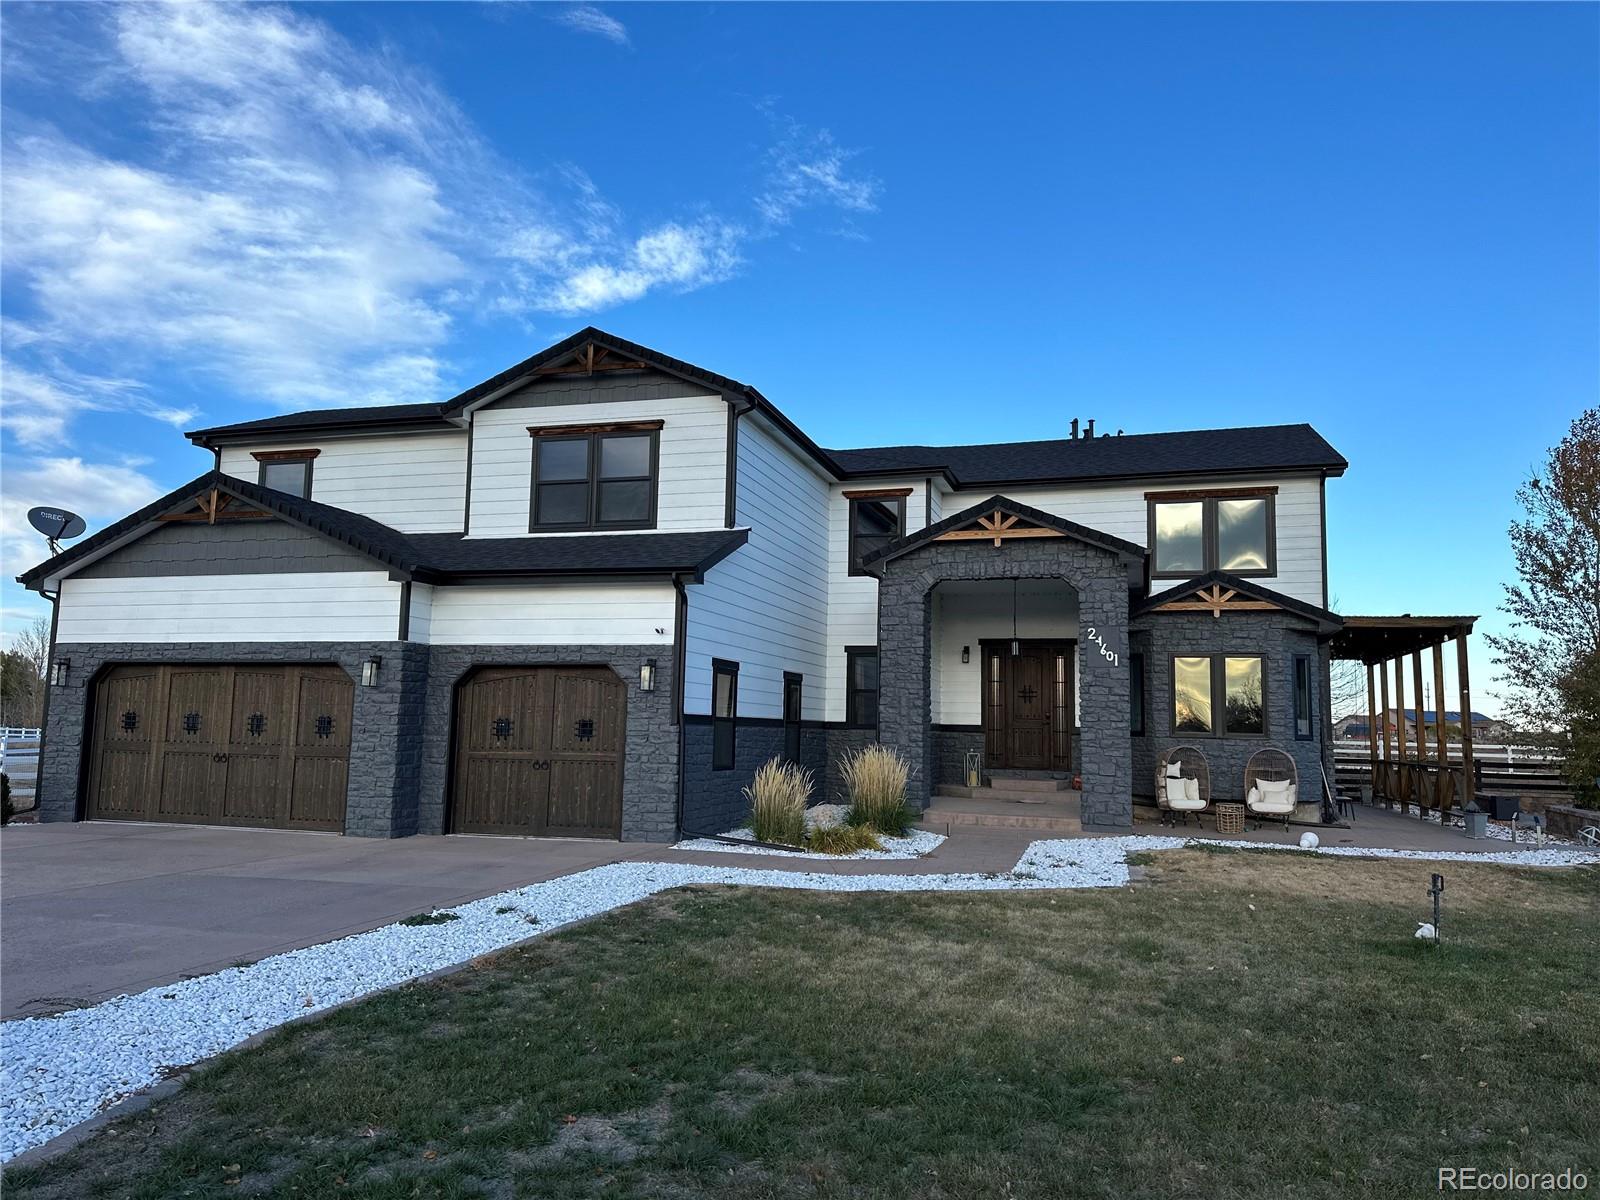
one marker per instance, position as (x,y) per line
(966,654)
(369,671)
(647,676)
(58,672)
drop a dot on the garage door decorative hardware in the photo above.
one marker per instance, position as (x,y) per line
(540,764)
(585,729)
(502,727)
(191,722)
(130,720)
(324,726)
(219,758)
(256,724)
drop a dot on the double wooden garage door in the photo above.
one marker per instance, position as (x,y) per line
(222,745)
(539,751)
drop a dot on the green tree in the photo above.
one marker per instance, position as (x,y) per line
(1550,661)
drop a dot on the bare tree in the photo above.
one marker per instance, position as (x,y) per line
(25,666)
(1550,659)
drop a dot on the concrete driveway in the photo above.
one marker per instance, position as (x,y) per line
(93,910)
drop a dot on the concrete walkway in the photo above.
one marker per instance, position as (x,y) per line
(89,911)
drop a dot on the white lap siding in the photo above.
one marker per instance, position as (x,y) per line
(413,482)
(303,606)
(766,607)
(691,488)
(552,614)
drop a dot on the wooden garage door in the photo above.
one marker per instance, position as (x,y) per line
(539,752)
(222,745)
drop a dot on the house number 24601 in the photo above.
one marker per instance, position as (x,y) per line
(1106,652)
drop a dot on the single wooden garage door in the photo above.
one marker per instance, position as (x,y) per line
(222,745)
(539,752)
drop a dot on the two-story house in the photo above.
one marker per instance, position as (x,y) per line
(590,595)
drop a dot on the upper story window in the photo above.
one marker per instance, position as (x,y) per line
(286,470)
(595,476)
(876,519)
(1195,532)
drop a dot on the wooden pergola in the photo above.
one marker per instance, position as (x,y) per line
(1408,773)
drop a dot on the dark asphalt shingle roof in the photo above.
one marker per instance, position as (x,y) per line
(1198,452)
(437,556)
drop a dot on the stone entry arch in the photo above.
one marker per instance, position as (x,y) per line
(1095,564)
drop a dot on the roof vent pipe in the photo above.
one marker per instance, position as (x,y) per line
(1074,428)
(1090,428)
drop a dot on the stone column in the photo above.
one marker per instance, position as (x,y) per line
(1103,690)
(905,626)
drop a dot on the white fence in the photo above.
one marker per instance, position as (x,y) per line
(19,759)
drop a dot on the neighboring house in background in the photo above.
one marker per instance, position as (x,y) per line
(1483,728)
(590,595)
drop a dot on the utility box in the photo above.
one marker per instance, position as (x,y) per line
(1477,821)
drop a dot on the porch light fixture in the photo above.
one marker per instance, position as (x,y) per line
(369,671)
(647,676)
(966,654)
(58,672)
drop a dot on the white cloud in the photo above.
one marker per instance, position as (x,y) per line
(586,18)
(98,492)
(312,224)
(809,169)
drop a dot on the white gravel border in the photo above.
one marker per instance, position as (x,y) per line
(914,845)
(57,1071)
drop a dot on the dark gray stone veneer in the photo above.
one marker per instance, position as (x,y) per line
(1278,637)
(401,728)
(904,629)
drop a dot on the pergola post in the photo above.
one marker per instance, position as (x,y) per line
(1422,749)
(1372,731)
(1469,785)
(1401,770)
(1441,738)
(1383,717)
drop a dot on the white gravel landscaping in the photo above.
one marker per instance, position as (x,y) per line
(914,845)
(58,1071)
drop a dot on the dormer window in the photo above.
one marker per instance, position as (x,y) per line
(1195,532)
(286,470)
(595,476)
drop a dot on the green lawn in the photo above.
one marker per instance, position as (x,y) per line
(1161,1040)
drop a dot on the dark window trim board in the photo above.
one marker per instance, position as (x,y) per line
(592,435)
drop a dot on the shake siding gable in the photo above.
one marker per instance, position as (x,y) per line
(414,482)
(766,607)
(693,448)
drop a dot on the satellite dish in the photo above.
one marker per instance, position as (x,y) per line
(56,524)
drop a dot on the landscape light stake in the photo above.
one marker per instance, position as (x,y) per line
(1436,890)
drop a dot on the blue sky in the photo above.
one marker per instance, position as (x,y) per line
(940,223)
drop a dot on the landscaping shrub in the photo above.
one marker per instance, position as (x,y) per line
(875,782)
(7,808)
(842,839)
(778,796)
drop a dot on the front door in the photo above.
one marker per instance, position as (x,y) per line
(1027,705)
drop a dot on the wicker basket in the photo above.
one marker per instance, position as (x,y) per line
(1230,818)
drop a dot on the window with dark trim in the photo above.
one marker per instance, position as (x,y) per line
(1191,533)
(861,687)
(724,713)
(286,471)
(875,521)
(1302,697)
(792,710)
(595,476)
(1199,679)
(1136,694)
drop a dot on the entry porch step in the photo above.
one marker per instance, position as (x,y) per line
(1017,791)
(1059,815)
